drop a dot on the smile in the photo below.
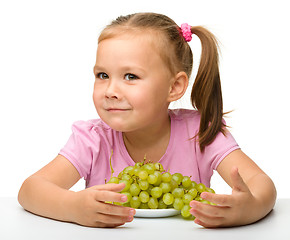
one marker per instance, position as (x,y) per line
(117,110)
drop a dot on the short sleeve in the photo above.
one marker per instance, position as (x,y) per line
(81,147)
(214,153)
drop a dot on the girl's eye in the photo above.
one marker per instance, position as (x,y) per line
(130,77)
(102,75)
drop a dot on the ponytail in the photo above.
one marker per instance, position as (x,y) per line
(206,94)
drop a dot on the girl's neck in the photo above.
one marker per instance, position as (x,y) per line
(151,142)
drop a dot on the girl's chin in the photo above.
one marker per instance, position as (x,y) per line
(118,126)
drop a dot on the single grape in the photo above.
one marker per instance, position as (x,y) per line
(200,187)
(178,204)
(138,165)
(113,180)
(185,211)
(177,177)
(153,203)
(144,196)
(136,171)
(193,192)
(135,202)
(193,184)
(165,187)
(127,185)
(210,190)
(158,166)
(149,168)
(187,198)
(132,172)
(152,178)
(186,182)
(168,198)
(143,184)
(135,189)
(158,174)
(143,175)
(166,177)
(126,176)
(156,192)
(173,184)
(178,192)
(128,169)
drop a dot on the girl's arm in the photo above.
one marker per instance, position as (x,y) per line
(47,193)
(253,195)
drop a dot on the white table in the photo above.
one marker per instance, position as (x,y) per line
(16,223)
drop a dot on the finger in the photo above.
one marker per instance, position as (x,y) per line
(207,209)
(219,199)
(113,219)
(238,183)
(111,209)
(207,224)
(109,196)
(110,192)
(110,187)
(207,215)
(104,225)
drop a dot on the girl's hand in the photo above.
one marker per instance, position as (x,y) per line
(91,210)
(231,210)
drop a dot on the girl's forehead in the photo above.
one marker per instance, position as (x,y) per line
(131,43)
(129,50)
(150,39)
(138,36)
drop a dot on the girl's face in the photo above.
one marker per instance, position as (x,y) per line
(132,83)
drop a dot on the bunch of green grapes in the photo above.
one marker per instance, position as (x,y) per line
(149,186)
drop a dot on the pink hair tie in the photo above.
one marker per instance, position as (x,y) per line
(186,32)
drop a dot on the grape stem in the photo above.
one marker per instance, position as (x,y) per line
(144,160)
(112,170)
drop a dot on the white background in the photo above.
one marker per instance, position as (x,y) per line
(47,53)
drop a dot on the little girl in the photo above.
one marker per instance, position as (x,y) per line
(144,63)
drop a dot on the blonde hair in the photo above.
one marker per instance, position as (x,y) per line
(206,95)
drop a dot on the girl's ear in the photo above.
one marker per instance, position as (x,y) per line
(178,86)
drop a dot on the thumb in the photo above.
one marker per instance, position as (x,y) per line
(109,187)
(238,183)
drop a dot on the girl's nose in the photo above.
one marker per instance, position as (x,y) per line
(112,90)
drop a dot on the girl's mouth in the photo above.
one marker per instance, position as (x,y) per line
(117,109)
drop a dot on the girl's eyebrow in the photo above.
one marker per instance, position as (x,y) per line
(124,68)
(133,68)
(99,68)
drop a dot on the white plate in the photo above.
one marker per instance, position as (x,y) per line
(156,213)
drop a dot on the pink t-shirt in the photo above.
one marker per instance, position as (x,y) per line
(89,149)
